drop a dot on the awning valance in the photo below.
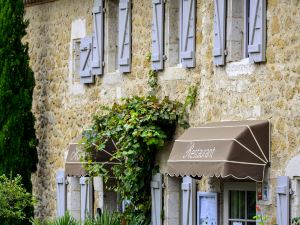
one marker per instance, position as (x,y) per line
(240,149)
(74,166)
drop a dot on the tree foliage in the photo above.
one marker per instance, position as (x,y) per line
(18,142)
(140,127)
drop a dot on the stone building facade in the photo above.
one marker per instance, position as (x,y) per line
(240,90)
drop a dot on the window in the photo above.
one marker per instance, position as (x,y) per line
(111,37)
(76,60)
(239,203)
(180,33)
(172,32)
(239,31)
(237,27)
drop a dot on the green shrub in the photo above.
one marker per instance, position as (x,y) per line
(105,219)
(13,198)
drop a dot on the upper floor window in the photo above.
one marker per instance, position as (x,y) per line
(180,40)
(76,60)
(111,37)
(239,30)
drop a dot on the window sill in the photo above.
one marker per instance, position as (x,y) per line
(112,78)
(243,67)
(76,88)
(174,73)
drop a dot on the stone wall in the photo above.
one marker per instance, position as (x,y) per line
(237,91)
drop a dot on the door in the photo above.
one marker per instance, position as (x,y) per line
(239,203)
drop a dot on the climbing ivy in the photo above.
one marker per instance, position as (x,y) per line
(152,76)
(191,98)
(139,126)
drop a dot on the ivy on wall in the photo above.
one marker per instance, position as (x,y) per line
(139,126)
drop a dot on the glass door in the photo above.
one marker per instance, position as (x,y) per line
(239,203)
(242,207)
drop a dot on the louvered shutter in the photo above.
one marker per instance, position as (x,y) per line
(156,196)
(124,56)
(86,76)
(219,32)
(257,31)
(187,33)
(98,38)
(157,35)
(283,200)
(188,188)
(86,198)
(61,193)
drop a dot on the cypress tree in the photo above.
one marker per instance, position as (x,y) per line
(18,142)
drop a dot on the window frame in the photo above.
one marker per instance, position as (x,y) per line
(235,186)
(76,60)
(246,28)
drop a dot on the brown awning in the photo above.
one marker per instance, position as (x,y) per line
(240,149)
(73,165)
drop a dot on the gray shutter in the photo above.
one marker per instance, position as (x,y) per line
(257,31)
(187,33)
(86,76)
(158,34)
(86,197)
(124,43)
(219,32)
(98,38)
(61,193)
(283,200)
(156,196)
(188,188)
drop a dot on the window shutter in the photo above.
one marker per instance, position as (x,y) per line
(257,31)
(61,193)
(187,33)
(86,76)
(283,200)
(98,38)
(158,35)
(188,188)
(124,58)
(156,195)
(219,32)
(86,197)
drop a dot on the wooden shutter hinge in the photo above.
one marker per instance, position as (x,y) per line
(225,52)
(163,185)
(165,57)
(104,10)
(291,192)
(103,63)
